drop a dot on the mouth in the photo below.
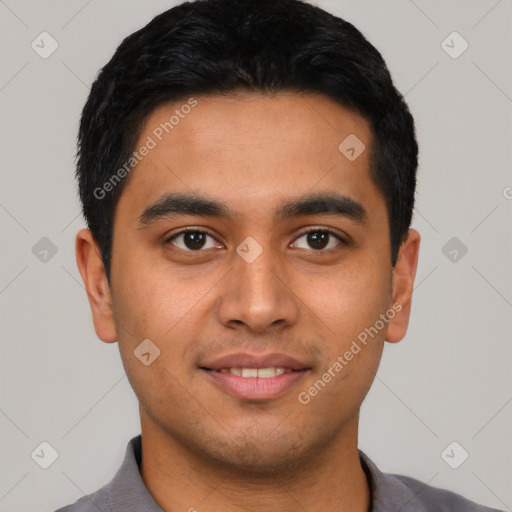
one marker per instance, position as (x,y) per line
(256,373)
(257,378)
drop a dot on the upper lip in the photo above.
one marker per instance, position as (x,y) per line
(245,360)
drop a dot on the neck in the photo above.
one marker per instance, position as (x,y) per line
(181,480)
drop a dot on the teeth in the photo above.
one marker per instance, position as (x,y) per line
(262,373)
(266,373)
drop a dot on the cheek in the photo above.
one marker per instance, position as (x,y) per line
(350,298)
(149,308)
(156,303)
(151,298)
(349,304)
(353,343)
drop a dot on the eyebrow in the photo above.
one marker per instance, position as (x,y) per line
(176,204)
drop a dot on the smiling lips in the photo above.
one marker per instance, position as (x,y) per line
(262,373)
(249,377)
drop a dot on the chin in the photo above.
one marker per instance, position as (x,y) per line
(251,454)
(253,459)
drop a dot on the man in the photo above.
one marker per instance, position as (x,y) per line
(247,172)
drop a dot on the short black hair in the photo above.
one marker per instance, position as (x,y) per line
(215,47)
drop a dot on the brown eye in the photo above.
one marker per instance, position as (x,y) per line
(192,240)
(317,240)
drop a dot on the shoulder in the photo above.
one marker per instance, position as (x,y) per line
(437,499)
(126,492)
(95,502)
(397,492)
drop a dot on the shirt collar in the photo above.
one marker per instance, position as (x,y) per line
(389,492)
(127,492)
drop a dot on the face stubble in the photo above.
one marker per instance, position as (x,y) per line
(268,150)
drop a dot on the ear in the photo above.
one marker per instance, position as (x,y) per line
(403,283)
(90,265)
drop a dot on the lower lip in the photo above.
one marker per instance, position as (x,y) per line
(254,388)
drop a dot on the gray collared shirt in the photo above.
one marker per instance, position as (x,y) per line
(126,492)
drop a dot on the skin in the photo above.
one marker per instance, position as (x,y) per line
(203,448)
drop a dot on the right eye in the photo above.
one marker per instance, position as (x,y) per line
(192,240)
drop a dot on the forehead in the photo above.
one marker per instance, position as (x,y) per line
(252,149)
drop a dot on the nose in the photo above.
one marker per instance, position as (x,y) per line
(258,295)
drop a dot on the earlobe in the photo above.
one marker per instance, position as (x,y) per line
(92,270)
(404,274)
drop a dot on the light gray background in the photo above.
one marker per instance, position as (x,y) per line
(449,380)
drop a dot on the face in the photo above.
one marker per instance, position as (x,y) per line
(253,251)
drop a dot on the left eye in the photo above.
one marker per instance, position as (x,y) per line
(317,240)
(193,240)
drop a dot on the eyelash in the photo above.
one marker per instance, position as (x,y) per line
(311,230)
